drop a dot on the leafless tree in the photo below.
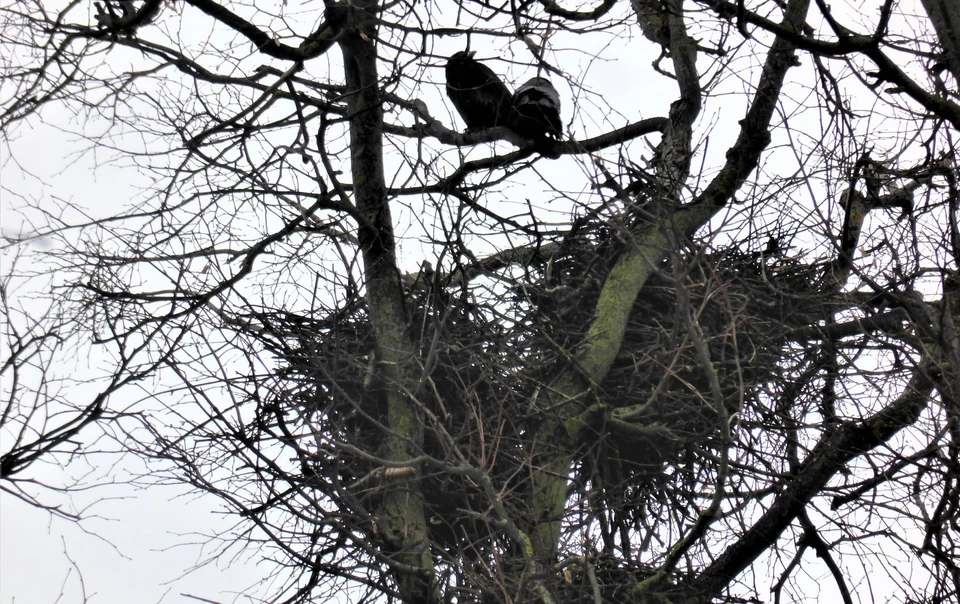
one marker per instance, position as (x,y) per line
(695,357)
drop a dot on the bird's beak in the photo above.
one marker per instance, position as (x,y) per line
(470,53)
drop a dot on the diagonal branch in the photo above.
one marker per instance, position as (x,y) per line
(315,45)
(827,458)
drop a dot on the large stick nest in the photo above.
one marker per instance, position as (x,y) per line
(481,375)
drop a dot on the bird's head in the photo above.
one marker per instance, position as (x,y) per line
(463,55)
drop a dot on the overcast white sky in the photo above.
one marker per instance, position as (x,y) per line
(125,548)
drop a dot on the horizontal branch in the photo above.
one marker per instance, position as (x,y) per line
(552,8)
(888,322)
(429,126)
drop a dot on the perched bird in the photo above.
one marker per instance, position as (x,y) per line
(536,110)
(123,15)
(115,14)
(480,97)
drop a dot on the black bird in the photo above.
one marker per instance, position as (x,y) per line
(536,110)
(480,97)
